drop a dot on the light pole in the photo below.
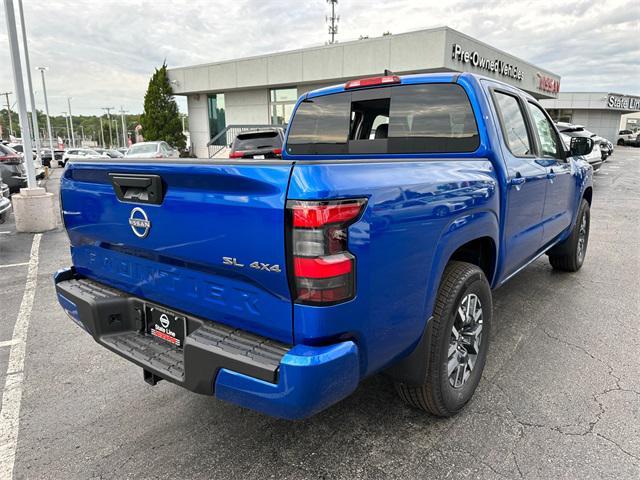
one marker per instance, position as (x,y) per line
(124,129)
(16,66)
(115,126)
(66,122)
(73,136)
(108,110)
(46,108)
(102,132)
(27,65)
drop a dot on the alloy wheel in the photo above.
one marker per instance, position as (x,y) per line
(465,340)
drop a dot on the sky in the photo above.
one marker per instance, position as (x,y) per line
(103,52)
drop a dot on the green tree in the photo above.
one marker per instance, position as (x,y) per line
(161,119)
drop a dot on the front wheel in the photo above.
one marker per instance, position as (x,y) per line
(458,336)
(569,255)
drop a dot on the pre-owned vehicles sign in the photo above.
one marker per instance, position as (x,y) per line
(491,65)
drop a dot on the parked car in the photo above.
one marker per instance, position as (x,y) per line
(78,153)
(626,137)
(37,164)
(151,150)
(109,152)
(46,156)
(569,131)
(123,150)
(281,285)
(12,170)
(258,144)
(5,208)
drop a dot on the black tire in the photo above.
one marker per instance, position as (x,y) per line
(437,395)
(569,255)
(621,142)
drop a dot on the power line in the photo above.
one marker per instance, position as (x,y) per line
(333,21)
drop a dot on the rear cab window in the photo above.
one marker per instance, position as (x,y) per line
(404,119)
(257,141)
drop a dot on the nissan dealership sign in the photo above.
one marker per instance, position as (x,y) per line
(492,65)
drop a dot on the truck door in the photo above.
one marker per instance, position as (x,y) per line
(557,213)
(527,182)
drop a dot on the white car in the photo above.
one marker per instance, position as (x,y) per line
(152,150)
(626,137)
(74,153)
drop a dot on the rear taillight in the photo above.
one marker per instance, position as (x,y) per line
(372,82)
(236,154)
(322,267)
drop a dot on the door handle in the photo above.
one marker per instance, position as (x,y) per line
(517,181)
(551,175)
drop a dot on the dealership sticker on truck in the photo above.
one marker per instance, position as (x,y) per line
(166,326)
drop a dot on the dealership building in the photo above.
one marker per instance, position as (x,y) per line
(263,90)
(599,112)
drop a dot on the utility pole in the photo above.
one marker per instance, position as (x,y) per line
(333,21)
(27,65)
(16,66)
(73,135)
(124,129)
(102,132)
(46,106)
(108,110)
(82,133)
(6,95)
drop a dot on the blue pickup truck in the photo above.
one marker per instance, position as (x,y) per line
(372,246)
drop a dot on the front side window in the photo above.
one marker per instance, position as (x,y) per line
(514,127)
(546,133)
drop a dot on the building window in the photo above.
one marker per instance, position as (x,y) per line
(217,121)
(281,104)
(560,115)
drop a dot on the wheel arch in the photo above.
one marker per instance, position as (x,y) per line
(474,242)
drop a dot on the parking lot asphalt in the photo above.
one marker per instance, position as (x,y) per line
(560,396)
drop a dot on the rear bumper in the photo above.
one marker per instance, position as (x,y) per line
(291,382)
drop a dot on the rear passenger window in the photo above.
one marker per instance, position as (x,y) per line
(513,125)
(432,118)
(421,118)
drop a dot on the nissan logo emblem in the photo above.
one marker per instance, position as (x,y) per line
(139,222)
(164,321)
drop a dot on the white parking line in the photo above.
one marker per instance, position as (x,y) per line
(12,393)
(9,343)
(14,265)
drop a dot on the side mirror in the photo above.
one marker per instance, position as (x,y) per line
(580,146)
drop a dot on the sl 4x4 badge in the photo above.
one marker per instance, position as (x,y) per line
(267,267)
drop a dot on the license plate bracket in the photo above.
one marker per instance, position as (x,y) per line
(166,325)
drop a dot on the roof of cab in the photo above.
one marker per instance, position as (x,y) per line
(438,77)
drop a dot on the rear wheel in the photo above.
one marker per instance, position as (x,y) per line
(458,342)
(569,255)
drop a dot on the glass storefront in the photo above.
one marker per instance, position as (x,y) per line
(281,104)
(560,115)
(217,121)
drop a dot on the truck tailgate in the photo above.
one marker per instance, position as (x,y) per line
(212,246)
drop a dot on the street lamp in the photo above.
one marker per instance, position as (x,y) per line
(46,107)
(73,136)
(16,64)
(27,65)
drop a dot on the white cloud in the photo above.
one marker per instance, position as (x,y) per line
(102,53)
